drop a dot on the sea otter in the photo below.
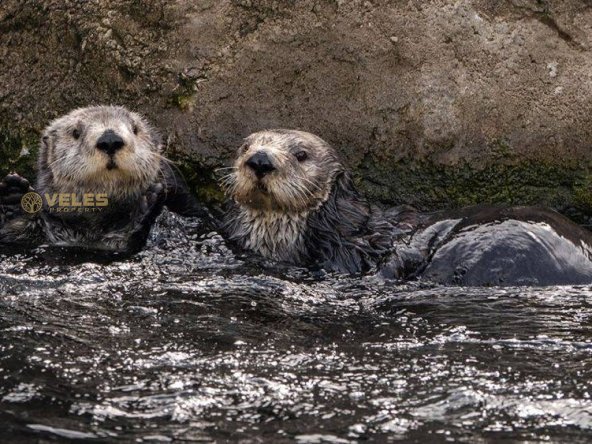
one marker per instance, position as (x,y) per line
(291,199)
(101,182)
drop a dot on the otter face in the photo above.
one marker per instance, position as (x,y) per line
(283,171)
(104,148)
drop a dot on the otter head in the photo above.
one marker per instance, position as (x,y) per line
(105,149)
(284,171)
(297,203)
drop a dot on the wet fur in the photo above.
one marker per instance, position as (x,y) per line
(313,214)
(70,165)
(275,235)
(346,234)
(332,226)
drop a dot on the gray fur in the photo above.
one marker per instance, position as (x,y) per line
(276,235)
(70,165)
(305,211)
(69,162)
(312,214)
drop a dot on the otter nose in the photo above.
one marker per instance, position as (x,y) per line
(261,164)
(110,142)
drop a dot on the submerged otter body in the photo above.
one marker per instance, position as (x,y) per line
(495,246)
(102,181)
(292,200)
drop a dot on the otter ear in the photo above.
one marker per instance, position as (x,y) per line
(243,148)
(344,186)
(46,147)
(352,208)
(335,237)
(47,142)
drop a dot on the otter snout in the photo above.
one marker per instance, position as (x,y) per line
(110,142)
(261,164)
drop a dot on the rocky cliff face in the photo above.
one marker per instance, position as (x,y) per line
(434,103)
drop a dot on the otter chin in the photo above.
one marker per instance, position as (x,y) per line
(291,199)
(107,155)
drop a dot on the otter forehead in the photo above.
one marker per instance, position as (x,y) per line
(97,118)
(285,140)
(98,113)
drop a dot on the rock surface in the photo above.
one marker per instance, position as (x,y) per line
(434,103)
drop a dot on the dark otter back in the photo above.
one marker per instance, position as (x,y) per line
(513,246)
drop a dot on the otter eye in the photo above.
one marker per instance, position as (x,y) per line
(244,148)
(135,129)
(301,156)
(76,134)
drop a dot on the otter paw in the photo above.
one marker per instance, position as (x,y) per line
(12,188)
(151,197)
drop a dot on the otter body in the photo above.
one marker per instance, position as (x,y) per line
(292,200)
(498,246)
(106,155)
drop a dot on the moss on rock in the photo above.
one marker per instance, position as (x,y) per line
(202,180)
(429,186)
(18,152)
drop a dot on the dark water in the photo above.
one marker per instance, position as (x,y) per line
(188,342)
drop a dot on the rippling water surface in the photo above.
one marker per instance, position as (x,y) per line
(188,341)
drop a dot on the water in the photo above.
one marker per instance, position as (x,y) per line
(189,341)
